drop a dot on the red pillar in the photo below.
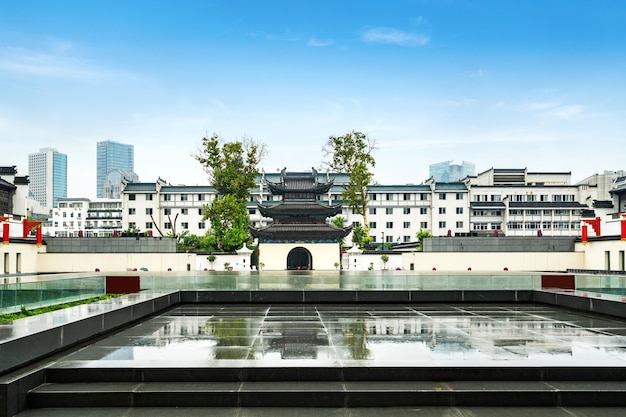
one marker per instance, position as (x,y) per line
(5,233)
(584,231)
(623,222)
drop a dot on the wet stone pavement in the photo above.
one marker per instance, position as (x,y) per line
(361,335)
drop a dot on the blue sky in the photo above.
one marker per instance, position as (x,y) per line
(504,84)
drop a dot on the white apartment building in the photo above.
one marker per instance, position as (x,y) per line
(520,203)
(513,202)
(76,217)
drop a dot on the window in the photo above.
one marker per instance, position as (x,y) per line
(373,197)
(132,197)
(184,197)
(442,196)
(201,197)
(372,225)
(184,225)
(406,239)
(148,211)
(389,239)
(406,210)
(424,225)
(131,211)
(459,210)
(423,210)
(442,225)
(481,226)
(167,197)
(131,225)
(167,225)
(201,225)
(532,212)
(459,225)
(250,211)
(149,197)
(389,196)
(442,210)
(167,211)
(423,196)
(406,225)
(184,211)
(406,196)
(148,225)
(389,210)
(389,225)
(459,196)
(372,210)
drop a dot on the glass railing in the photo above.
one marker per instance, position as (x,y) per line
(42,290)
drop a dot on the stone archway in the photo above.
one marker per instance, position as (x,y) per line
(299,259)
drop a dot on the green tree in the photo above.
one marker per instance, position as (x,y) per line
(229,222)
(231,166)
(352,154)
(421,235)
(232,170)
(339,221)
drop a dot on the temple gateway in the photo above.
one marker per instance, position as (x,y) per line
(299,237)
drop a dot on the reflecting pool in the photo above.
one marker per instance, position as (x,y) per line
(362,335)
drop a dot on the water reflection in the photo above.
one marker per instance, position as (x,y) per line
(279,335)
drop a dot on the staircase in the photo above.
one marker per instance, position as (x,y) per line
(331,387)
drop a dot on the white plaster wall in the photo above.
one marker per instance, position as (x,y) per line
(237,262)
(107,262)
(488,261)
(596,254)
(274,255)
(25,262)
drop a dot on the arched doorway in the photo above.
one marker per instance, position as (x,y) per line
(300,259)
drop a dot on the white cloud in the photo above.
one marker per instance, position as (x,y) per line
(22,61)
(570,112)
(395,36)
(319,43)
(557,110)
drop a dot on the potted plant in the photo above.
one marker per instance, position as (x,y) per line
(385,259)
(211,259)
(227,266)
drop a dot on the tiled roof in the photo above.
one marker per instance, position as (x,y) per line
(300,232)
(140,186)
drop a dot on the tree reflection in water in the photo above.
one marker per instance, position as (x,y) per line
(355,335)
(232,334)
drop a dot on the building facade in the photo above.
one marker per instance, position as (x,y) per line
(47,171)
(509,202)
(113,157)
(82,217)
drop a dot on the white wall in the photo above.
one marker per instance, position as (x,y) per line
(489,261)
(274,255)
(604,255)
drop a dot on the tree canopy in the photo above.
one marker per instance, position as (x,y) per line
(232,170)
(231,166)
(352,154)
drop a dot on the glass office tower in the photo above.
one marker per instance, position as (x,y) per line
(112,156)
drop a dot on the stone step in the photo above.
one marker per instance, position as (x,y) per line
(69,372)
(330,394)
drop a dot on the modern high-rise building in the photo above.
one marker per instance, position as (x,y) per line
(47,171)
(113,156)
(448,172)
